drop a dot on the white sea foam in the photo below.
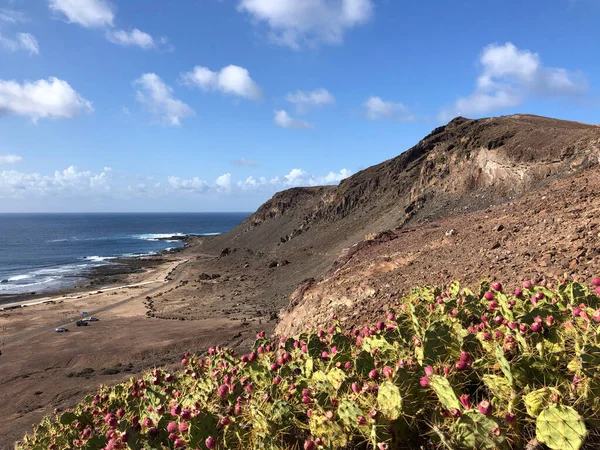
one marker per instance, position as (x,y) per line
(157,236)
(99,258)
(138,255)
(20,277)
(28,287)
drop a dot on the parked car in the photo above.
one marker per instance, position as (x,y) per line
(61,330)
(81,323)
(91,319)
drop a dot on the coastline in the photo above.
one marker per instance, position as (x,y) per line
(120,270)
(44,371)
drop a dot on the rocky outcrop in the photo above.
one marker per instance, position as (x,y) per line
(548,233)
(463,166)
(333,234)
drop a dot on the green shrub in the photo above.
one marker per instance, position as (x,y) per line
(450,369)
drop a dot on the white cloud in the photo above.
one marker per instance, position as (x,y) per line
(306,99)
(243,162)
(22,41)
(378,109)
(68,182)
(134,38)
(29,42)
(295,23)
(12,16)
(336,177)
(10,159)
(509,76)
(195,185)
(71,182)
(87,13)
(158,99)
(101,14)
(51,98)
(299,177)
(224,183)
(251,183)
(284,120)
(232,80)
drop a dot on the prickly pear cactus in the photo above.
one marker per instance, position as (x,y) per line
(389,400)
(280,412)
(504,365)
(590,359)
(202,426)
(438,343)
(536,401)
(560,428)
(329,431)
(574,292)
(336,377)
(476,431)
(498,386)
(444,391)
(308,367)
(348,412)
(379,343)
(454,288)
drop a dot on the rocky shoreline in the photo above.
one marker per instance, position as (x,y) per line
(107,275)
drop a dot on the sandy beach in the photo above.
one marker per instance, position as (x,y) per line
(42,371)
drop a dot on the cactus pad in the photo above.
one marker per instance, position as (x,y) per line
(445,393)
(348,412)
(336,377)
(536,401)
(329,431)
(438,343)
(476,431)
(504,365)
(560,428)
(498,386)
(389,400)
(383,347)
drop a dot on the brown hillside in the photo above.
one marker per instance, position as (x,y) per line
(464,166)
(546,233)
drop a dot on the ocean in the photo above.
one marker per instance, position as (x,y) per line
(46,252)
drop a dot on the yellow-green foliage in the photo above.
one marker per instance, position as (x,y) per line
(444,369)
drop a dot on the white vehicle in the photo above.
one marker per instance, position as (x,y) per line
(91,319)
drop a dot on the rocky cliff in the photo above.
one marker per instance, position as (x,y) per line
(384,229)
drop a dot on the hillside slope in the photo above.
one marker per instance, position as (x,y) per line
(547,233)
(464,166)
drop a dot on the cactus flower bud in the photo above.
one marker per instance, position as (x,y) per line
(485,407)
(465,401)
(309,445)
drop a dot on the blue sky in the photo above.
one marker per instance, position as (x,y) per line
(208,105)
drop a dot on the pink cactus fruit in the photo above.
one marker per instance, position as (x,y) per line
(485,407)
